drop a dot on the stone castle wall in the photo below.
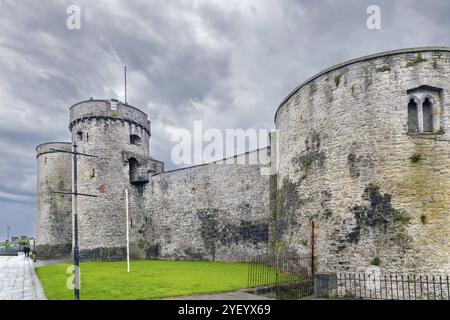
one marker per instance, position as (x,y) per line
(209,212)
(348,164)
(54,221)
(354,179)
(206,204)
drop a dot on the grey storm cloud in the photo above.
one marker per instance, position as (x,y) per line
(226,63)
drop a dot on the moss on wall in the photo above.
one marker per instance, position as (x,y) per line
(380,213)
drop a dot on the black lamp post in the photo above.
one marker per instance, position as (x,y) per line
(75,194)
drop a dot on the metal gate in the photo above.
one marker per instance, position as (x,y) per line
(282,276)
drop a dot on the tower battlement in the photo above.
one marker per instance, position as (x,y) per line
(48,147)
(108,109)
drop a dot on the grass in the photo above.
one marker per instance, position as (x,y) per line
(307,163)
(375,261)
(337,80)
(148,279)
(416,157)
(419,58)
(384,68)
(399,217)
(440,131)
(423,219)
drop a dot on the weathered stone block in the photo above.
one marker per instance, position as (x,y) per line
(325,285)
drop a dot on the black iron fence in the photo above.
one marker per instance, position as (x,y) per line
(393,286)
(282,276)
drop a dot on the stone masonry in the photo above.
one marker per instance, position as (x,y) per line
(376,193)
(54,222)
(213,211)
(360,163)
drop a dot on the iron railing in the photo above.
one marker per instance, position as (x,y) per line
(393,286)
(281,276)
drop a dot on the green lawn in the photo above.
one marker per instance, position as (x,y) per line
(148,279)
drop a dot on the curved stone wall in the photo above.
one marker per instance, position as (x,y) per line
(54,221)
(352,178)
(103,128)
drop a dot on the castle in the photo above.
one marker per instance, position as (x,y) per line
(361,173)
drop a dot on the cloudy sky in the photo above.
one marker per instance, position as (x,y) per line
(226,63)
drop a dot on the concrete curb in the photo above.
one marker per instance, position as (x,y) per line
(38,289)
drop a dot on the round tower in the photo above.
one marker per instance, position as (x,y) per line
(363,174)
(53,226)
(118,135)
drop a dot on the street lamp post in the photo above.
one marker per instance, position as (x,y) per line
(75,194)
(76,256)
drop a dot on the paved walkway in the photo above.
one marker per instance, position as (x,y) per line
(18,280)
(237,295)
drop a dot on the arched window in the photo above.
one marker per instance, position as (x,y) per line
(135,139)
(427,108)
(80,135)
(413,123)
(424,110)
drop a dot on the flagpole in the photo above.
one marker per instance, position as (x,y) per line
(125,74)
(128,232)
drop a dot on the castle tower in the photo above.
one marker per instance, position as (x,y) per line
(53,227)
(363,167)
(119,135)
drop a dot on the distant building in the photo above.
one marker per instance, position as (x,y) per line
(21,239)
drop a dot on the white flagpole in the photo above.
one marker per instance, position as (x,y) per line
(128,233)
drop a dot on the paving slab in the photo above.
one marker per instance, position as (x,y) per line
(18,280)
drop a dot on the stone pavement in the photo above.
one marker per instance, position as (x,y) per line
(237,295)
(18,280)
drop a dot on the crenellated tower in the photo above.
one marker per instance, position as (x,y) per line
(118,134)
